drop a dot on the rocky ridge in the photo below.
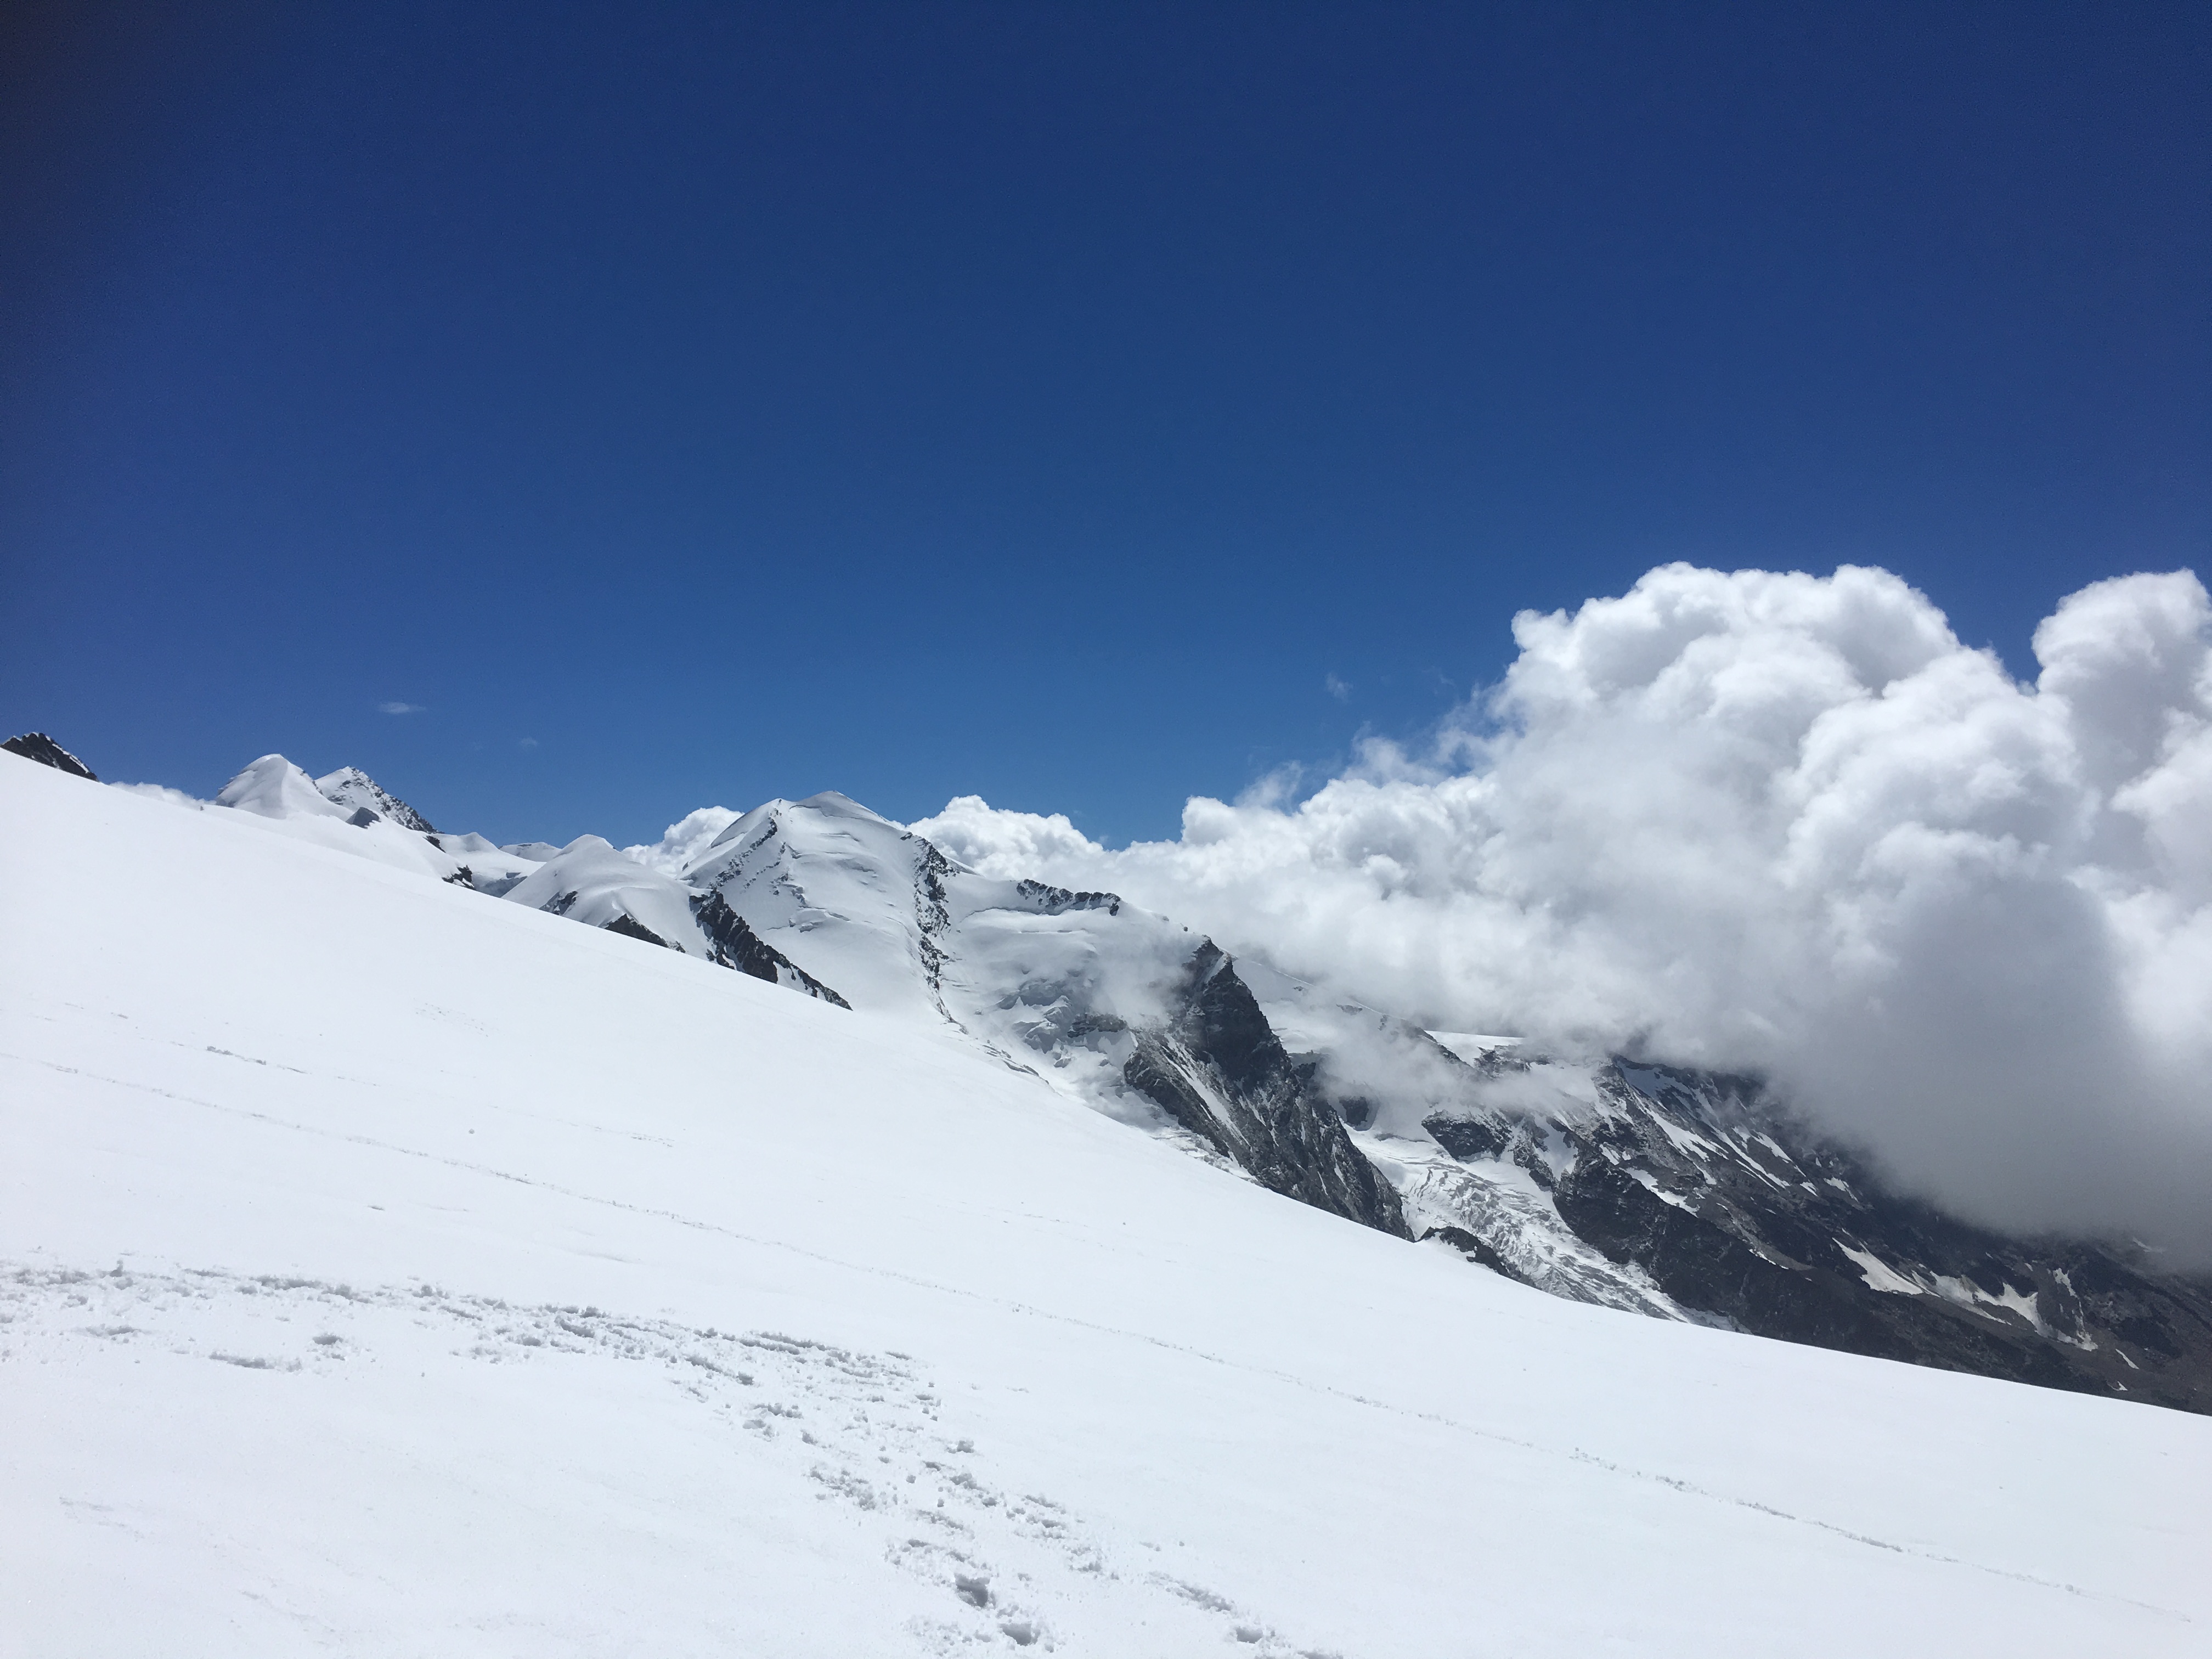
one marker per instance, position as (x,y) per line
(39,747)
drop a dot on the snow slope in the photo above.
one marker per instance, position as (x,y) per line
(739,1323)
(588,881)
(1677,1193)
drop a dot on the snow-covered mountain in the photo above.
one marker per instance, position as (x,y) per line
(1696,1187)
(1661,1191)
(349,812)
(389,1268)
(1124,1011)
(354,789)
(1641,1187)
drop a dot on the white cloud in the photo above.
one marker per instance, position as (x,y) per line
(685,839)
(1790,824)
(1336,687)
(400,708)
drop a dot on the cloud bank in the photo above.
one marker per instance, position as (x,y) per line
(1787,824)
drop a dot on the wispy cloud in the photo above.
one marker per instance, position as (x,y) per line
(1338,687)
(399,708)
(530,742)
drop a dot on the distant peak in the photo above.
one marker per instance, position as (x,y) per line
(352,788)
(273,787)
(37,746)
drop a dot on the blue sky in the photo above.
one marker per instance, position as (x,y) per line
(683,406)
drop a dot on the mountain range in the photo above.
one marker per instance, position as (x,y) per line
(1623,1182)
(412,1244)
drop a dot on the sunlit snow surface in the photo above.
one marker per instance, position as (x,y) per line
(390,1270)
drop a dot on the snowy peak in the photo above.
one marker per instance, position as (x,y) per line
(272,788)
(284,798)
(841,891)
(1125,1010)
(354,790)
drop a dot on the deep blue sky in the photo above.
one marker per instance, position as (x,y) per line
(1040,400)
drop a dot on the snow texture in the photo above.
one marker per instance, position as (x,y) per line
(392,1271)
(1631,1186)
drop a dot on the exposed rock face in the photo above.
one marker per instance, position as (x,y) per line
(1121,1009)
(1219,1070)
(351,788)
(630,927)
(37,746)
(932,917)
(592,883)
(736,945)
(1733,1211)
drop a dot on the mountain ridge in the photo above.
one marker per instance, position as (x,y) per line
(365,1231)
(1657,1189)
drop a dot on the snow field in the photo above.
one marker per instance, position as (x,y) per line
(650,1284)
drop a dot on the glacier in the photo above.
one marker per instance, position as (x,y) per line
(390,1266)
(1631,1183)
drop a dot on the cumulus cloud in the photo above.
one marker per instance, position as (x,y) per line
(1787,824)
(684,840)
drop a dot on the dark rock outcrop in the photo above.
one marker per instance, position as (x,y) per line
(37,746)
(351,787)
(736,945)
(1217,1068)
(1737,1211)
(630,927)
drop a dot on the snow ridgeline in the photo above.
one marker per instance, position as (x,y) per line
(666,1311)
(1668,1192)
